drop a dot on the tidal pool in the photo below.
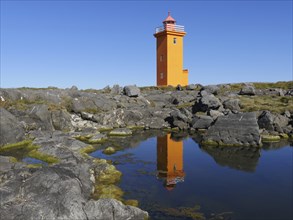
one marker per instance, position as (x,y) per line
(178,179)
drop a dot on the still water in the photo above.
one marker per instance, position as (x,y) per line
(181,180)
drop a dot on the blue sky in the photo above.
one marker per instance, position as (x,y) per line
(92,44)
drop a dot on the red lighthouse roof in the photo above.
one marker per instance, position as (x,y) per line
(169,19)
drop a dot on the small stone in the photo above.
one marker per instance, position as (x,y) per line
(109,150)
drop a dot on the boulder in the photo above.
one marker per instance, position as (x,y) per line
(215,114)
(116,90)
(234,129)
(83,104)
(206,103)
(247,90)
(180,124)
(191,87)
(232,104)
(11,130)
(201,122)
(110,209)
(41,116)
(61,120)
(109,150)
(272,122)
(131,91)
(211,89)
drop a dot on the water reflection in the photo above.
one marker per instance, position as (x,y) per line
(170,161)
(240,158)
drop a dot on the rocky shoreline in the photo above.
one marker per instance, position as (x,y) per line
(58,126)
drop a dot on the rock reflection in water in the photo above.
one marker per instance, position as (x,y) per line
(170,161)
(240,158)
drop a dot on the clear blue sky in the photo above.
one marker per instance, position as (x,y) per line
(92,44)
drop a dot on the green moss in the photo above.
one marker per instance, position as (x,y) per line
(275,104)
(131,202)
(110,176)
(209,143)
(26,149)
(280,85)
(108,191)
(103,129)
(15,146)
(43,157)
(270,138)
(109,150)
(285,136)
(134,127)
(86,150)
(119,133)
(175,129)
(185,212)
(37,165)
(21,104)
(185,105)
(92,110)
(13,160)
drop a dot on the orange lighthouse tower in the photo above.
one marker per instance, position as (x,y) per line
(170,54)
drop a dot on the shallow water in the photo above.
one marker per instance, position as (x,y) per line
(170,177)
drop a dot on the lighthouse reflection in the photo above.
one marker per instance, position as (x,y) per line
(170,161)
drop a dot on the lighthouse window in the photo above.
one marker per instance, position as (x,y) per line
(161,58)
(162,75)
(174,40)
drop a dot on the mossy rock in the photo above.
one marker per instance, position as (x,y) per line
(86,150)
(131,202)
(135,127)
(120,132)
(18,145)
(109,150)
(43,157)
(209,143)
(109,176)
(108,191)
(285,136)
(34,166)
(270,138)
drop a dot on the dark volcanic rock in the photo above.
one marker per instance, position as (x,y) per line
(234,129)
(131,91)
(11,130)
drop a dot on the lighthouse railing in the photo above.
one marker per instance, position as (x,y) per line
(170,27)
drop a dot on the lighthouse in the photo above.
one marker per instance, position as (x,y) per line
(170,54)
